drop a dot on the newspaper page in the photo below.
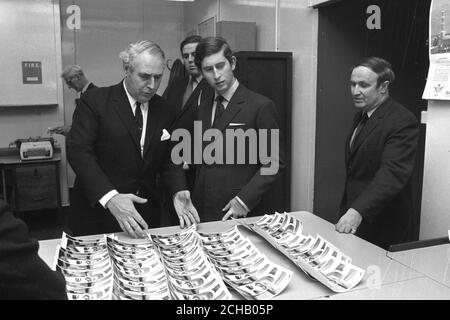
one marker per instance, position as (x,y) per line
(438,80)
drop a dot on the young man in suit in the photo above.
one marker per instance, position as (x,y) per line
(230,187)
(75,79)
(184,94)
(23,274)
(380,156)
(119,147)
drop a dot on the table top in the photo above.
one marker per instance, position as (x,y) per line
(380,269)
(412,289)
(433,262)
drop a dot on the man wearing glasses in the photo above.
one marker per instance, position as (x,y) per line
(75,79)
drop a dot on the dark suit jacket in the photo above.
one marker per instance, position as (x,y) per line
(89,87)
(187,114)
(23,274)
(185,117)
(379,168)
(104,151)
(216,184)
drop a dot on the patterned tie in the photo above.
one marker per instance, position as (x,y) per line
(359,128)
(219,109)
(138,115)
(188,92)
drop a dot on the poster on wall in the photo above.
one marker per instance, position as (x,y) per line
(438,80)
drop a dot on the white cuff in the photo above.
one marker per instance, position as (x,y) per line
(104,200)
(242,203)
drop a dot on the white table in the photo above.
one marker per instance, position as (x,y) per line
(379,268)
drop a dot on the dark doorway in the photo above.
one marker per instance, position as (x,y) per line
(343,40)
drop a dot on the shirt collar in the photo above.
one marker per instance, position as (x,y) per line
(85,87)
(197,79)
(369,113)
(230,92)
(131,99)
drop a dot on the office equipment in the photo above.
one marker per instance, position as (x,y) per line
(35,148)
(30,185)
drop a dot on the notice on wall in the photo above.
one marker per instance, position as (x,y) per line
(438,80)
(32,72)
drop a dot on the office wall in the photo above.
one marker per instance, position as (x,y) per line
(107,28)
(298,33)
(32,20)
(435,217)
(197,12)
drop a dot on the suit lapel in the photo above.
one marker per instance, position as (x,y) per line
(120,103)
(356,120)
(205,109)
(153,119)
(373,122)
(233,108)
(193,98)
(180,93)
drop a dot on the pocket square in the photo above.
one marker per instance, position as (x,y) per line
(233,124)
(165,135)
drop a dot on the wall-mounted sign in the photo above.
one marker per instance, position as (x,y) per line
(32,72)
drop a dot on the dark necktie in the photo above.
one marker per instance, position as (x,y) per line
(359,128)
(219,109)
(138,115)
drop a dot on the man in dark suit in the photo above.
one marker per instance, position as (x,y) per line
(23,274)
(184,94)
(119,147)
(75,78)
(380,157)
(233,177)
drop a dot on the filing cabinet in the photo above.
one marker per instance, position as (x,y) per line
(32,185)
(35,187)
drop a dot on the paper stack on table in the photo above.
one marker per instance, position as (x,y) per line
(243,266)
(316,256)
(86,265)
(185,265)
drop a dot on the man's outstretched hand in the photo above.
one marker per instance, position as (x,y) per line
(122,208)
(186,211)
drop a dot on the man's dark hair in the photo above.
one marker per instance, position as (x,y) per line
(380,66)
(209,46)
(189,39)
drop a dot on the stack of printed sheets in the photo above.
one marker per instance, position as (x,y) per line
(243,266)
(185,265)
(87,267)
(190,274)
(314,255)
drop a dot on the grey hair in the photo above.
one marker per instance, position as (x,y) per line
(72,70)
(134,49)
